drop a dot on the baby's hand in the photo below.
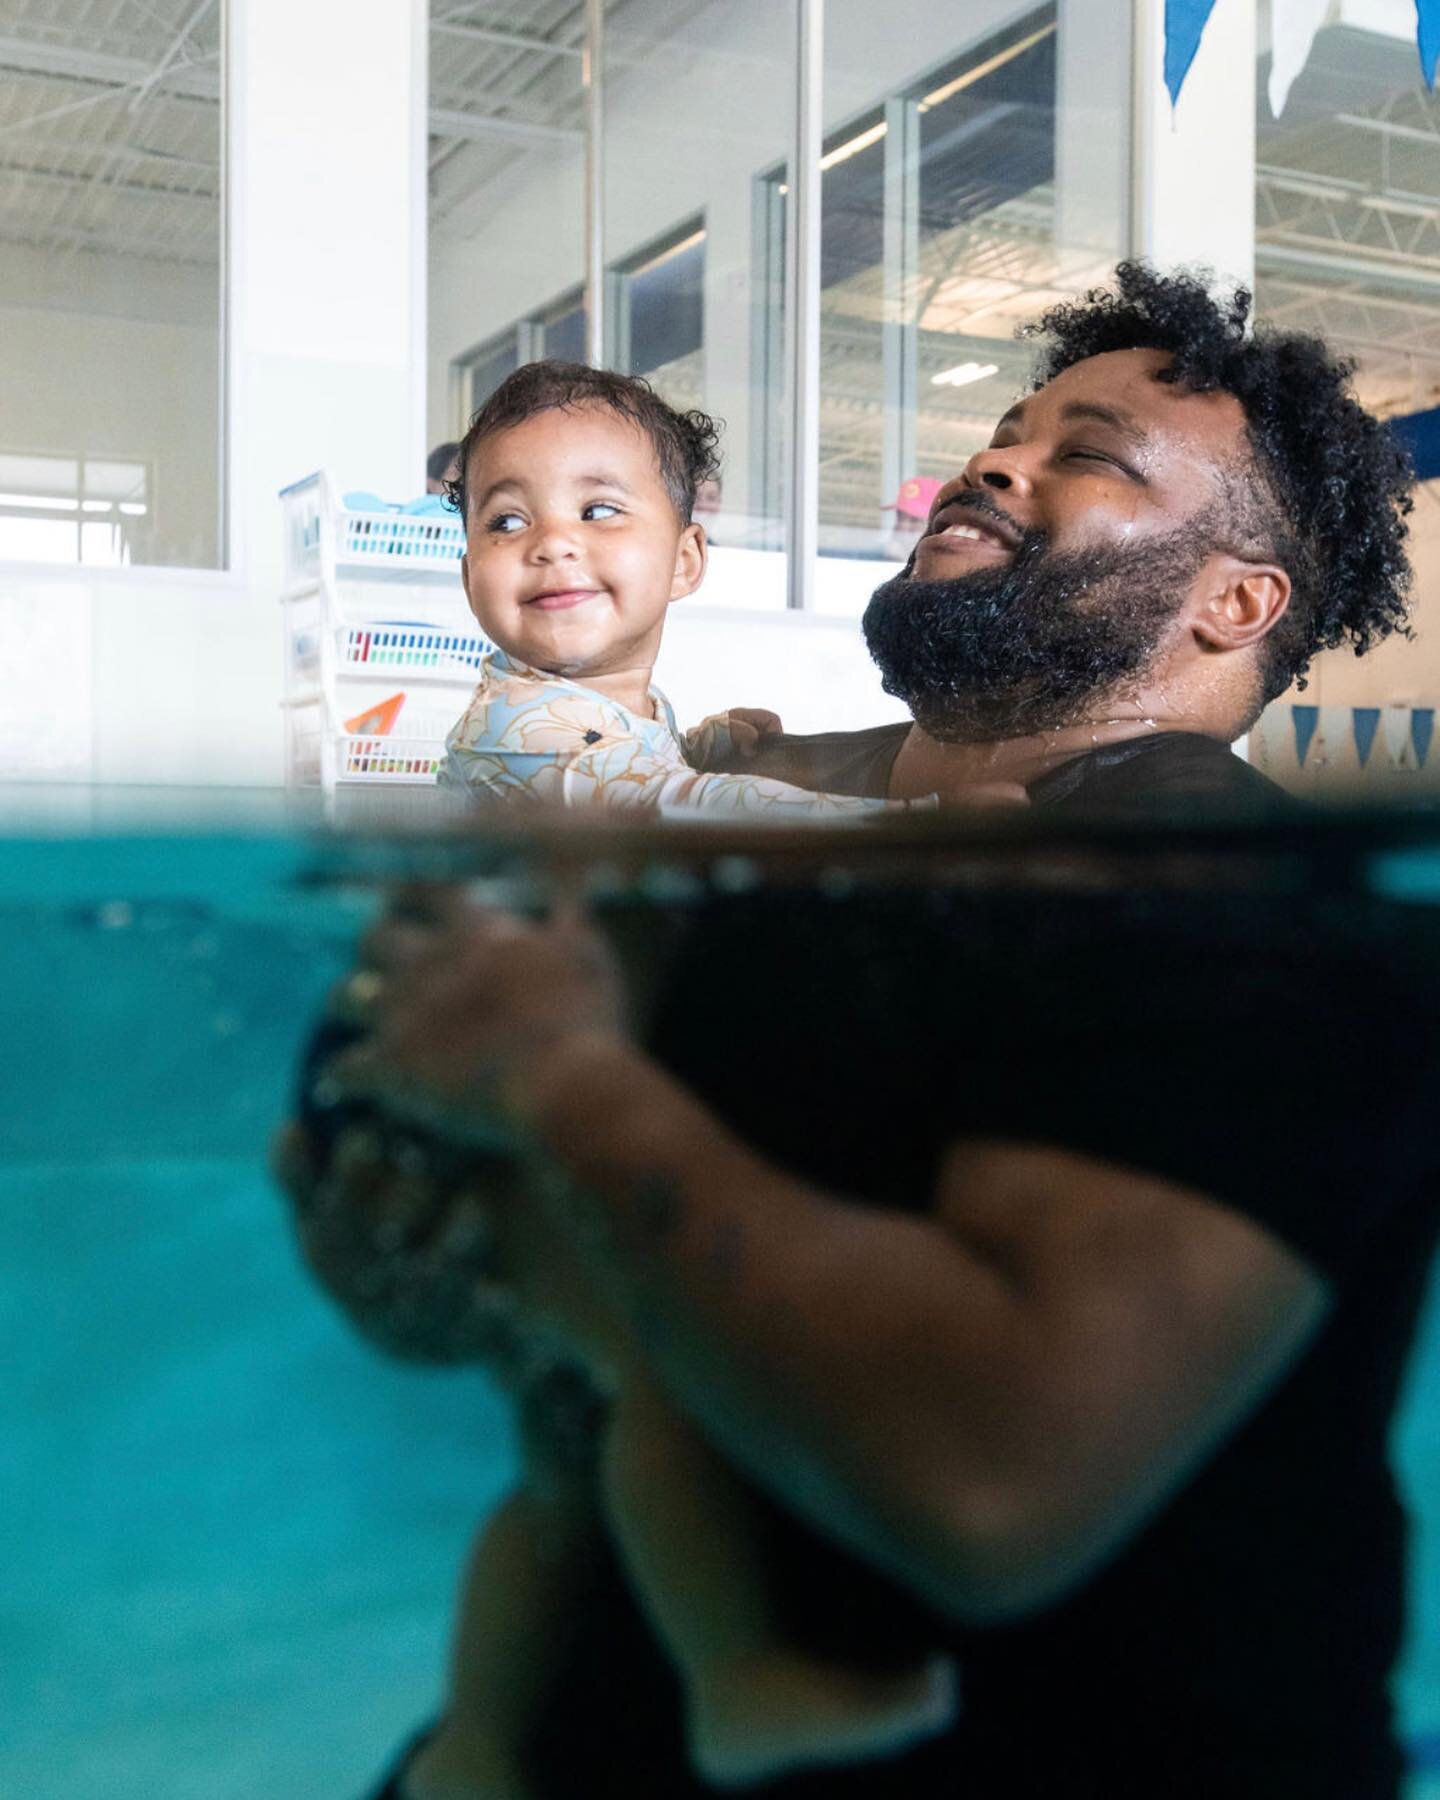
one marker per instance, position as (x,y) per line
(748,724)
(725,737)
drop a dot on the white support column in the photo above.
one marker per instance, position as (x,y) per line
(593,78)
(1193,166)
(326,217)
(899,331)
(802,309)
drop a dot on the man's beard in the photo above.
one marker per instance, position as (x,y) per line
(1030,645)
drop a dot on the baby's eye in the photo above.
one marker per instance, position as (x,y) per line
(506,522)
(600,509)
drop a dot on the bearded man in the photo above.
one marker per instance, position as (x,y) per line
(1033,1276)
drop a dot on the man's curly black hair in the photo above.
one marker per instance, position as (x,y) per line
(1334,488)
(685,442)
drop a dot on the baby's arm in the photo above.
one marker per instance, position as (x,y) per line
(520,746)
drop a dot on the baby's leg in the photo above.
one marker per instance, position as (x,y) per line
(757,1705)
(529,1577)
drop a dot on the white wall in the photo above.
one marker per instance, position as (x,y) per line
(76,383)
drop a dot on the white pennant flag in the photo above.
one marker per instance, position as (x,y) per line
(1293,25)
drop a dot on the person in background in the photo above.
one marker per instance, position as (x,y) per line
(911,507)
(440,468)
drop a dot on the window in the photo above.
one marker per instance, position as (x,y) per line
(657,314)
(110,284)
(74,509)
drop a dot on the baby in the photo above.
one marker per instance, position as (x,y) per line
(576,486)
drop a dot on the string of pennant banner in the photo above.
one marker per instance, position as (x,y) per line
(1377,739)
(1294,24)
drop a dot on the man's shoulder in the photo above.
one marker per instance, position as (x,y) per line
(829,762)
(1162,774)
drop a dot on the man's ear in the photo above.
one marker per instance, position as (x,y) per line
(1242,603)
(691,557)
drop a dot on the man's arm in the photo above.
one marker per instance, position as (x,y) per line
(984,1400)
(988,1400)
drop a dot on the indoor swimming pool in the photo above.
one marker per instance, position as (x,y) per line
(231,1530)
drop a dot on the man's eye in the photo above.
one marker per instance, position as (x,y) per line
(506,522)
(600,509)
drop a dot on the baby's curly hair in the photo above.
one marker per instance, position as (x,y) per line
(1335,482)
(686,443)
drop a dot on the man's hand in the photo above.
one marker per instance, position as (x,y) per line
(469,1010)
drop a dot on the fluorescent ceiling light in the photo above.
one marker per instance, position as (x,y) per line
(842,152)
(963,374)
(133,507)
(40,502)
(988,67)
(96,505)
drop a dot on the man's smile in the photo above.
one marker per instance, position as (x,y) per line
(968,527)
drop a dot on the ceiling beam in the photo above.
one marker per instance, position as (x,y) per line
(196,81)
(511,40)
(192,81)
(56,181)
(446,122)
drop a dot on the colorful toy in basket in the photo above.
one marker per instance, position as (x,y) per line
(576,487)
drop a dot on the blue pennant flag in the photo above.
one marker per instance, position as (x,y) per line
(1422,729)
(1365,722)
(1185,22)
(1306,718)
(1428,12)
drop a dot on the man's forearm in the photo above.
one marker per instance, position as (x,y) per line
(856,1363)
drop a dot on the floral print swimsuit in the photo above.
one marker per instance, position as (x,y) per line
(530,736)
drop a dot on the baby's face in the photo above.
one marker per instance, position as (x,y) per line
(574,550)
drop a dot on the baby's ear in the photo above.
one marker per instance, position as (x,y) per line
(691,556)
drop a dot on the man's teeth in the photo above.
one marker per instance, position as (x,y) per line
(970,531)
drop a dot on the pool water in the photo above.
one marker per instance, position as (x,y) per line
(230,1531)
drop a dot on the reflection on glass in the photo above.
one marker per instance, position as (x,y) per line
(1347,245)
(962,193)
(110,286)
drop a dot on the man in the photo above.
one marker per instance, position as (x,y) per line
(1033,1277)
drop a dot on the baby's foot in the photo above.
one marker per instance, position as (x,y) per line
(754,1719)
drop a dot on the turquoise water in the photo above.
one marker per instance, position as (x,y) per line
(230,1532)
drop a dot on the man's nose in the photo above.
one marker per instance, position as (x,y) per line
(1006,469)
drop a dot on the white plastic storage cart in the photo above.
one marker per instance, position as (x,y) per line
(381,651)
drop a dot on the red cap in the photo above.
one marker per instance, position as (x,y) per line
(916,496)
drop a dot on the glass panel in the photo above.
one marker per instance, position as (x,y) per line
(967,184)
(507,223)
(563,335)
(1347,245)
(489,368)
(698,108)
(658,323)
(110,281)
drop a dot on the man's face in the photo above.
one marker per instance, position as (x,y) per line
(1052,571)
